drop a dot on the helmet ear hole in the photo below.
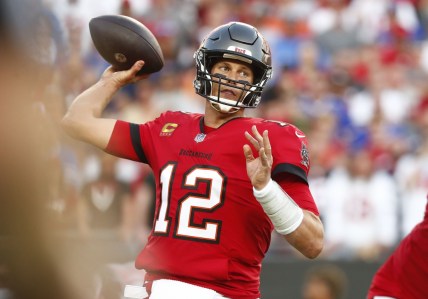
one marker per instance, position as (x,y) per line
(210,63)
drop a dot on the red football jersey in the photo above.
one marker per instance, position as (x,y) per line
(209,230)
(405,274)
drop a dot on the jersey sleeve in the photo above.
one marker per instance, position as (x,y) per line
(290,151)
(136,141)
(299,191)
(125,142)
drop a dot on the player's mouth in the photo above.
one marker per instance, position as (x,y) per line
(228,94)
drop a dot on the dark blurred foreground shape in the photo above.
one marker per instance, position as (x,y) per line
(32,263)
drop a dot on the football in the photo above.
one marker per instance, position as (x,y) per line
(122,40)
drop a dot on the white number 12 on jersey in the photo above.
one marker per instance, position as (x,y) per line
(212,199)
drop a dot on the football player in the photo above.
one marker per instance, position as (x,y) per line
(405,272)
(224,180)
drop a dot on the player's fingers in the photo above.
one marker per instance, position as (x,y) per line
(136,68)
(263,157)
(253,141)
(248,153)
(257,135)
(266,143)
(130,75)
(138,65)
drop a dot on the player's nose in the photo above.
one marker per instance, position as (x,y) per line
(233,78)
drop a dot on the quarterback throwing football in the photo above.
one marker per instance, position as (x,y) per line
(224,181)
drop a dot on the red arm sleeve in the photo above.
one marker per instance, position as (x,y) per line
(298,191)
(290,151)
(125,142)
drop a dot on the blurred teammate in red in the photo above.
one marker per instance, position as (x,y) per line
(405,274)
(224,181)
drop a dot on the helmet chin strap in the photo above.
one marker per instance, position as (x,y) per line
(224,108)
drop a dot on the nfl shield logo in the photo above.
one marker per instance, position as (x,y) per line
(200,137)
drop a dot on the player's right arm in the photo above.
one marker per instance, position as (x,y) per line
(83,119)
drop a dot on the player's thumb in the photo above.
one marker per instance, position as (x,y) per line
(138,65)
(130,75)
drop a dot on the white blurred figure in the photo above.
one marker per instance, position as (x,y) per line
(77,13)
(167,91)
(412,178)
(398,97)
(333,13)
(361,214)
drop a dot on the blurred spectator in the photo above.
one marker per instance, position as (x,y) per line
(328,14)
(105,206)
(324,282)
(412,180)
(337,38)
(169,87)
(107,216)
(396,98)
(361,213)
(144,198)
(171,22)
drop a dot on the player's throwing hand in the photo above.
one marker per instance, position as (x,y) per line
(122,78)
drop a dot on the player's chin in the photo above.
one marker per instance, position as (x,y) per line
(224,109)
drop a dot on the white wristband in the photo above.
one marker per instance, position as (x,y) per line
(285,214)
(134,292)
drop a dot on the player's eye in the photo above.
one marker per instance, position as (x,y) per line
(244,74)
(224,68)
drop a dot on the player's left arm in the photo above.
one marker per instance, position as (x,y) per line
(301,228)
(308,238)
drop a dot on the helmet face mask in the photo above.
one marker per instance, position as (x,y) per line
(235,41)
(240,89)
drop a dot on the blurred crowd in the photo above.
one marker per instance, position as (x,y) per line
(351,74)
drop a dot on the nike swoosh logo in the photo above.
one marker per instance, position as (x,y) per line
(299,135)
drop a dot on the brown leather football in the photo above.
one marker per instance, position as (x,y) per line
(122,40)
